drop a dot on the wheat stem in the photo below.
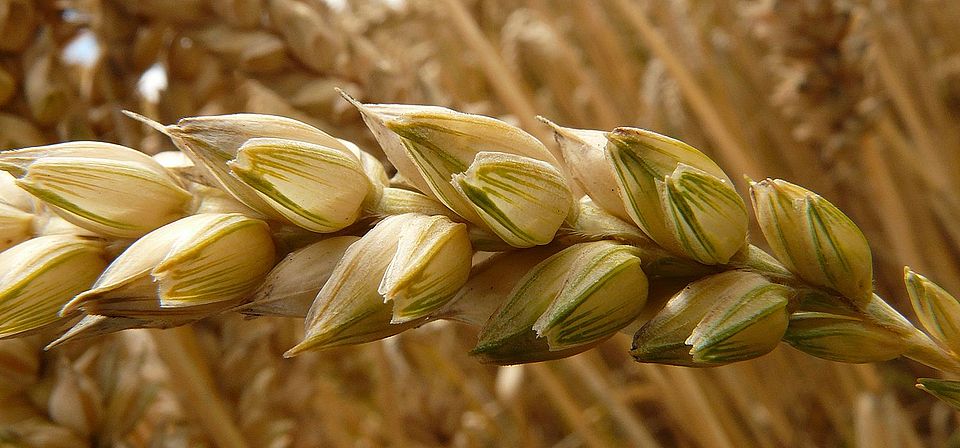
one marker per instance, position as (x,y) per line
(509,89)
(178,348)
(730,149)
(682,383)
(567,407)
(902,239)
(604,49)
(388,394)
(908,110)
(594,379)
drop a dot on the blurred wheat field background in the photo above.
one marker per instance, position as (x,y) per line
(857,100)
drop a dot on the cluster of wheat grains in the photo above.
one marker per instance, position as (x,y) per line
(854,100)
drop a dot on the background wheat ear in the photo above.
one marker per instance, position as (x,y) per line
(853,101)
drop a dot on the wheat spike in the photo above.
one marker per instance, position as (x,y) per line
(753,88)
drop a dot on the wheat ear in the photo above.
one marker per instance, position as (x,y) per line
(548,252)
